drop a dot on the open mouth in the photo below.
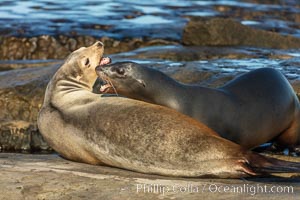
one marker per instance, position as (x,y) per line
(106,86)
(104,61)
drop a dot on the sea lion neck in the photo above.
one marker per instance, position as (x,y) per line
(64,87)
(160,88)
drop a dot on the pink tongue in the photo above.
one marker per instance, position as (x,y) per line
(105,61)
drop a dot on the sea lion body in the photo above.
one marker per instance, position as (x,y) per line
(125,133)
(250,110)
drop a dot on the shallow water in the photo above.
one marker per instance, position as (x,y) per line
(229,66)
(125,18)
(286,61)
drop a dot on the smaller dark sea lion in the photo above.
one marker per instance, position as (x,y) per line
(250,110)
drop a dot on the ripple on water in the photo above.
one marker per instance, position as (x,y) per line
(250,22)
(148,20)
(242,65)
(150,9)
(209,13)
(225,66)
(294,54)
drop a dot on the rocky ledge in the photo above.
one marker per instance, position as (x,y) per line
(51,177)
(220,32)
(199,31)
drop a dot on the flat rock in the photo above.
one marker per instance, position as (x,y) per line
(6,65)
(25,176)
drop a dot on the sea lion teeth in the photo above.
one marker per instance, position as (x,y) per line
(105,88)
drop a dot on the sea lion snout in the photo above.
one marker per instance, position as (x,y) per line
(116,70)
(119,76)
(91,56)
(99,44)
(109,70)
(111,75)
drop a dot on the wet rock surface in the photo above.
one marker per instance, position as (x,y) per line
(51,177)
(18,136)
(21,97)
(6,65)
(50,47)
(227,32)
(22,92)
(198,32)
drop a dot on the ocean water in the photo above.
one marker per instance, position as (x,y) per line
(148,18)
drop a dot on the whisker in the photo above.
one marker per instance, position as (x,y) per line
(108,79)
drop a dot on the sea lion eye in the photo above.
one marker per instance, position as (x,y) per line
(120,71)
(87,61)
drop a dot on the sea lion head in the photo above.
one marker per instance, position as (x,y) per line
(127,78)
(80,65)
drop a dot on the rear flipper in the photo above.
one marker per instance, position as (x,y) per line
(255,164)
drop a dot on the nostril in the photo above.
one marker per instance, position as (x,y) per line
(100,44)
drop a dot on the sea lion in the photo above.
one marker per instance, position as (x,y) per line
(250,110)
(125,133)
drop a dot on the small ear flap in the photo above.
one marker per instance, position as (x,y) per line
(141,82)
(86,62)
